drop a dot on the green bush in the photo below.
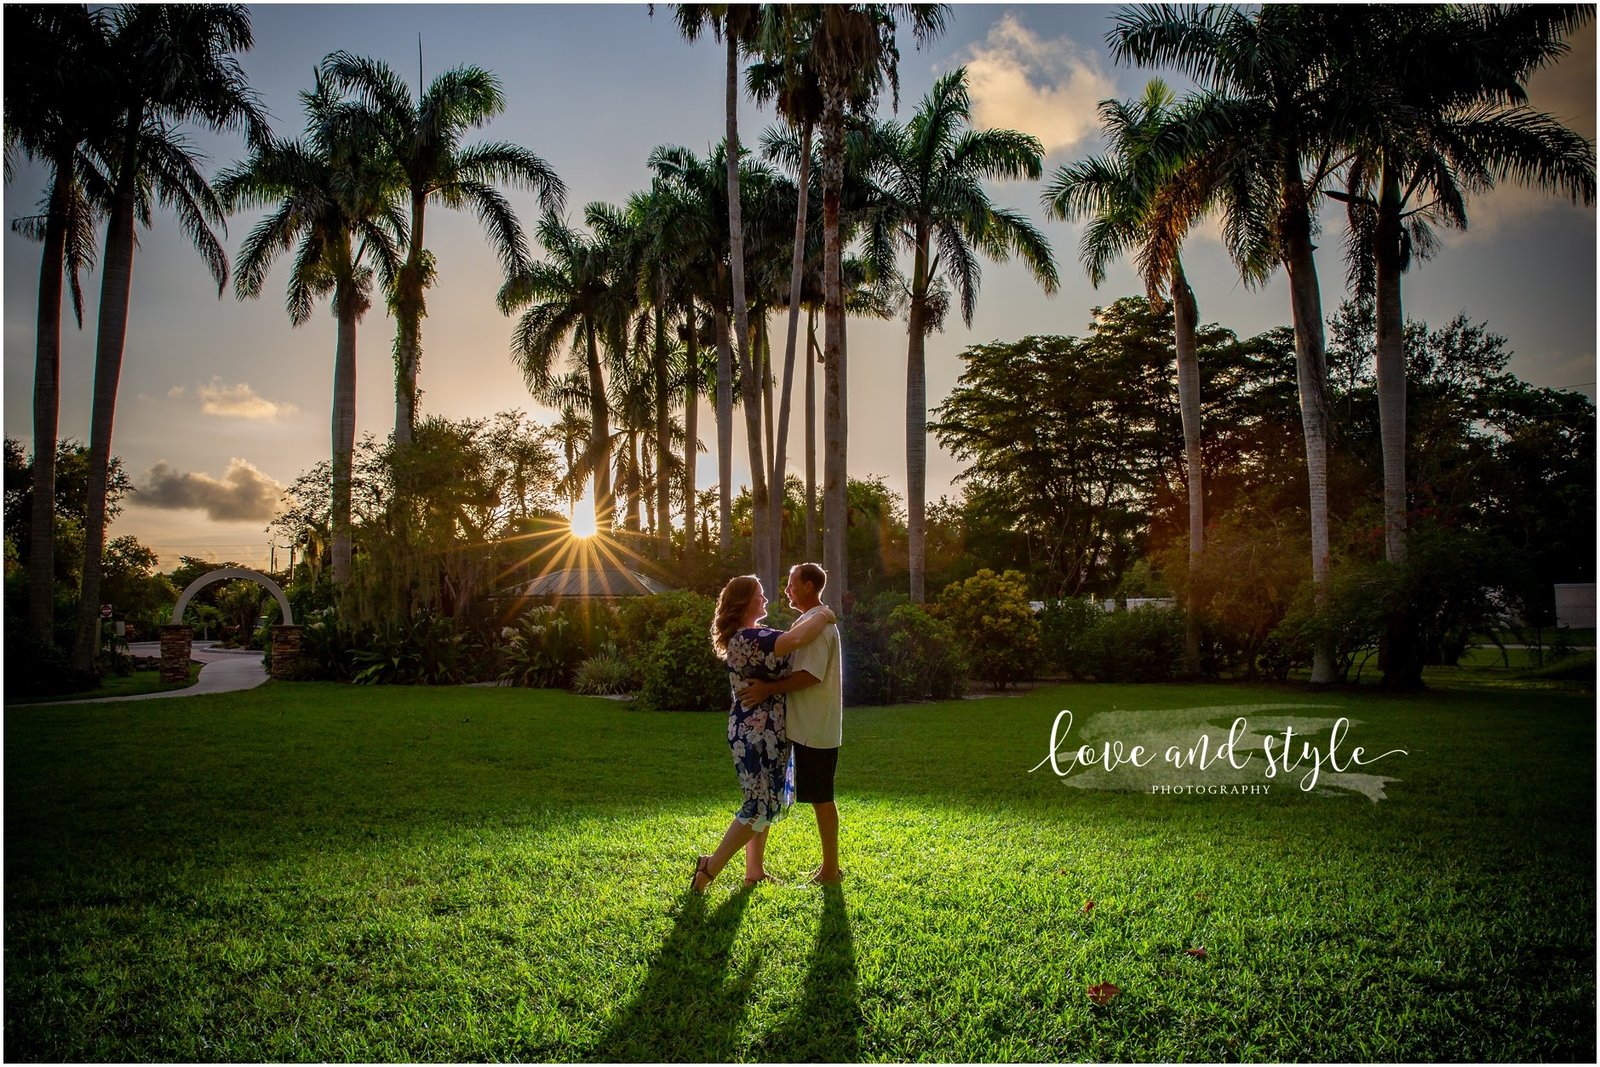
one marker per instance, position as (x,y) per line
(990,612)
(639,620)
(1143,645)
(604,673)
(1064,628)
(679,672)
(925,658)
(423,651)
(543,649)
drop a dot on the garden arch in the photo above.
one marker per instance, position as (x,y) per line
(177,640)
(223,574)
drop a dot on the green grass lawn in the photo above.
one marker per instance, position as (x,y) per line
(320,872)
(123,686)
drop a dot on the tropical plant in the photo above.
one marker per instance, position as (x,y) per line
(166,65)
(334,192)
(1137,199)
(52,102)
(853,50)
(423,137)
(1272,126)
(1441,113)
(574,293)
(930,201)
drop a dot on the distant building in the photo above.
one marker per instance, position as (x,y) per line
(1575,605)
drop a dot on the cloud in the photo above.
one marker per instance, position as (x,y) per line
(237,401)
(243,494)
(1049,88)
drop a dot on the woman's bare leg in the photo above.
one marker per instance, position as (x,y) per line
(755,851)
(733,840)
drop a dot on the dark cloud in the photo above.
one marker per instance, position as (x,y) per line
(243,493)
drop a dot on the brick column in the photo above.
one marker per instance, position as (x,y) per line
(285,650)
(176,642)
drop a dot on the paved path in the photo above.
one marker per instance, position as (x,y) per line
(225,671)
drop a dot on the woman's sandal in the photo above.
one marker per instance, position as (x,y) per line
(700,864)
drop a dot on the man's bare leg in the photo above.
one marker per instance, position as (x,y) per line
(828,830)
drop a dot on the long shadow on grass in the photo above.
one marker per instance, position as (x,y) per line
(825,1027)
(690,1006)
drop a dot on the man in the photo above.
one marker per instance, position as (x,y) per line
(815,714)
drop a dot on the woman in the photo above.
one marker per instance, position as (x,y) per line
(755,734)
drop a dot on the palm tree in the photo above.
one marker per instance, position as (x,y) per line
(930,200)
(736,25)
(1441,113)
(335,193)
(1268,111)
(573,294)
(167,64)
(853,49)
(423,137)
(50,106)
(1137,201)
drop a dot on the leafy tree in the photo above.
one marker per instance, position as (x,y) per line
(991,616)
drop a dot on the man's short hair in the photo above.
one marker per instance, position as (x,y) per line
(811,574)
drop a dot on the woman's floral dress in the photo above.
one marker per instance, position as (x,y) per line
(756,735)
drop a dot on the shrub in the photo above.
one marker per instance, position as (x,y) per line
(991,614)
(639,620)
(423,651)
(1143,645)
(604,673)
(679,672)
(1064,627)
(543,650)
(925,658)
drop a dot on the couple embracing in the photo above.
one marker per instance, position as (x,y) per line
(786,722)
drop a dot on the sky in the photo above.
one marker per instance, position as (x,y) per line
(222,403)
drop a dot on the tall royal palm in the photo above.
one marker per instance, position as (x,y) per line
(423,136)
(736,25)
(571,295)
(1441,105)
(167,65)
(1271,118)
(51,108)
(931,202)
(335,193)
(1140,199)
(854,52)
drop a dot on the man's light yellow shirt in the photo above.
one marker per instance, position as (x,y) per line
(815,714)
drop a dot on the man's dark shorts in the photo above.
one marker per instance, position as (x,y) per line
(813,773)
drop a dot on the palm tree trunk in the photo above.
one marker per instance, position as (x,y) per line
(1399,658)
(797,264)
(1185,321)
(635,489)
(835,512)
(408,335)
(344,431)
(691,434)
(46,412)
(663,504)
(724,429)
(599,437)
(917,419)
(1311,375)
(811,436)
(116,284)
(750,390)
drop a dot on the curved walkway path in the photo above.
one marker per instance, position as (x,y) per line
(224,671)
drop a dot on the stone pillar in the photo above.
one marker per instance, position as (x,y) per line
(285,650)
(176,642)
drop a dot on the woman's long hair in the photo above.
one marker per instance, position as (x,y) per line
(731,608)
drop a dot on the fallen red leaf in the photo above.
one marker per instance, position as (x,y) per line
(1197,953)
(1101,994)
(1087,908)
